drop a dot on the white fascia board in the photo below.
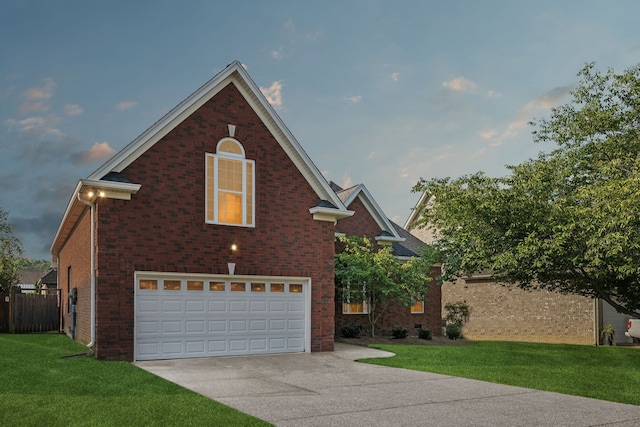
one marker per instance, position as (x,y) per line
(375,210)
(329,214)
(67,211)
(424,200)
(111,189)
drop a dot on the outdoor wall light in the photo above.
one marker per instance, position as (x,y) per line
(234,247)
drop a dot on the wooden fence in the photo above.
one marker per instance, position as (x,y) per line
(29,313)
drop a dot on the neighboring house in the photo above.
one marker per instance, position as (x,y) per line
(210,234)
(50,282)
(27,280)
(369,220)
(509,313)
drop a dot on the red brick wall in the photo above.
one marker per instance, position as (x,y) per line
(163,227)
(363,224)
(76,253)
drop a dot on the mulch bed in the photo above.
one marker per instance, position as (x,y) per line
(365,341)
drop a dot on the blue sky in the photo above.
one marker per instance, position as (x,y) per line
(376,92)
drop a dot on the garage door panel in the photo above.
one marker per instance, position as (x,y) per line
(218,306)
(238,326)
(236,306)
(195,306)
(171,326)
(195,326)
(182,323)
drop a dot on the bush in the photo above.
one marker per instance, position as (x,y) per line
(399,332)
(453,332)
(351,331)
(425,334)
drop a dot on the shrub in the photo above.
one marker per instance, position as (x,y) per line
(425,334)
(351,331)
(453,332)
(399,332)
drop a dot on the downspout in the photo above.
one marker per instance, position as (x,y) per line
(92,207)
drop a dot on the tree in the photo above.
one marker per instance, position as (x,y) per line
(10,251)
(567,220)
(33,264)
(376,277)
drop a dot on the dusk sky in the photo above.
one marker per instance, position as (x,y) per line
(376,92)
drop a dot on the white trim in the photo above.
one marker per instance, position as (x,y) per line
(216,190)
(361,192)
(329,214)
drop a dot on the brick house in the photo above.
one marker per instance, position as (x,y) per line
(508,313)
(369,220)
(212,233)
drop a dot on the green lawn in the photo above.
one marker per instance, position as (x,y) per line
(38,387)
(606,373)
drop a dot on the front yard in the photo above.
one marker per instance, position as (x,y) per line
(42,387)
(606,373)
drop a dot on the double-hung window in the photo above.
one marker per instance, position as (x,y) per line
(352,303)
(230,177)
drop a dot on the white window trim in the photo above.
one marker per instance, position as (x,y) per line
(245,162)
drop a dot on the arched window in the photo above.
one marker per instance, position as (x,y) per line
(230,185)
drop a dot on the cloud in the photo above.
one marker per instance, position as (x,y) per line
(526,113)
(36,127)
(35,98)
(125,105)
(493,94)
(395,76)
(99,152)
(273,94)
(353,99)
(372,155)
(488,134)
(73,109)
(43,93)
(289,25)
(460,84)
(278,54)
(347,182)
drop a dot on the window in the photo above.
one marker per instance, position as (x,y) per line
(216,287)
(238,287)
(171,285)
(195,285)
(148,285)
(258,287)
(277,287)
(295,288)
(230,183)
(417,307)
(352,305)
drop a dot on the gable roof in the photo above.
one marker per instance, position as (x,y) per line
(107,179)
(388,232)
(234,73)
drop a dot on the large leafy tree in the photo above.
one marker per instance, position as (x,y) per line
(10,251)
(373,275)
(568,220)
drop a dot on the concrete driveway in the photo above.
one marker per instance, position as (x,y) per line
(330,389)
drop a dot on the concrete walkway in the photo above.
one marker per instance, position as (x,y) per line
(330,389)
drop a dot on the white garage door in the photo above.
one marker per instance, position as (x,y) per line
(201,316)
